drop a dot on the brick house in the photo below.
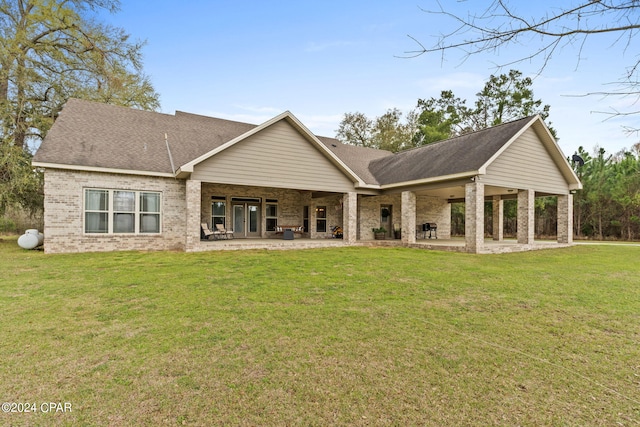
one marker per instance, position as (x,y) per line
(124,179)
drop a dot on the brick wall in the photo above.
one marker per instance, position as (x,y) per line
(428,209)
(63,212)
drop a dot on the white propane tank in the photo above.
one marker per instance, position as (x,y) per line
(31,239)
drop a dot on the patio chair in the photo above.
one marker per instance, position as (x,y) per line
(210,235)
(205,233)
(227,233)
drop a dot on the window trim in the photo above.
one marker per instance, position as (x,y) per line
(267,217)
(214,200)
(111,212)
(321,219)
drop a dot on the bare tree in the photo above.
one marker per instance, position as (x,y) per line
(501,25)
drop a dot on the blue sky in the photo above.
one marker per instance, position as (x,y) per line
(251,60)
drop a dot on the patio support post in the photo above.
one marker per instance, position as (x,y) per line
(474,216)
(498,218)
(194,204)
(565,218)
(526,216)
(408,202)
(350,217)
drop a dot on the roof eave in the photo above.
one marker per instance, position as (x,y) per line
(46,165)
(432,180)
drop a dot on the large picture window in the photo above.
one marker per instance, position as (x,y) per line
(119,211)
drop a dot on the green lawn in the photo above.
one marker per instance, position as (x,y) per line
(353,336)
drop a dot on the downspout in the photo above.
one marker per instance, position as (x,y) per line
(166,141)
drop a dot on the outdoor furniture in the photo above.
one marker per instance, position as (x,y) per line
(288,231)
(228,234)
(431,227)
(208,234)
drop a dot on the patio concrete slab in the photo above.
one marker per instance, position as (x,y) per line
(450,245)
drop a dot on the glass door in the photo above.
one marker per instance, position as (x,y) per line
(246,219)
(238,220)
(253,227)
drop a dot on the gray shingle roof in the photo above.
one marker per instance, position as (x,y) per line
(356,158)
(90,134)
(465,153)
(107,136)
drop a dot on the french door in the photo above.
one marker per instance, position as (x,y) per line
(246,218)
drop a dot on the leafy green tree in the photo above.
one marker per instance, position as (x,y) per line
(20,184)
(387,132)
(355,129)
(440,118)
(625,193)
(504,98)
(51,51)
(391,133)
(609,204)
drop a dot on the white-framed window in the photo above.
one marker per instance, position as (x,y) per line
(108,211)
(271,214)
(149,212)
(321,219)
(218,211)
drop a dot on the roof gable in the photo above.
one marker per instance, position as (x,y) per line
(301,130)
(535,145)
(276,156)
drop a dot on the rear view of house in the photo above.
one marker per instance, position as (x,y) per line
(124,179)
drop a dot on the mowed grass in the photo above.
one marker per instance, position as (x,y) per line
(353,336)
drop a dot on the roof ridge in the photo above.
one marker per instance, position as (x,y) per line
(179,113)
(115,106)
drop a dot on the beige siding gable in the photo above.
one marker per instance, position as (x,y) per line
(526,164)
(277,156)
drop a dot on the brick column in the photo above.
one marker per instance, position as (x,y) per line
(194,204)
(526,216)
(350,217)
(474,216)
(565,218)
(408,201)
(498,218)
(312,220)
